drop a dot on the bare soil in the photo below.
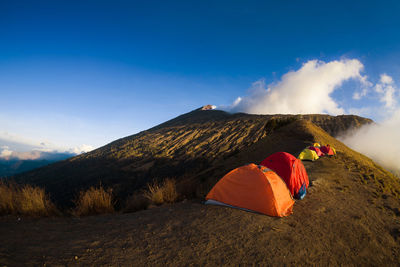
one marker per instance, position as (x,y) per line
(343,220)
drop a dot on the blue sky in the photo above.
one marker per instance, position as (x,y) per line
(76,73)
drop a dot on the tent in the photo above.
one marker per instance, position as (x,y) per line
(254,188)
(291,170)
(317,150)
(316,145)
(327,150)
(308,154)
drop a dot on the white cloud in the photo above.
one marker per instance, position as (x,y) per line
(5,152)
(359,95)
(388,97)
(365,88)
(15,146)
(386,79)
(81,149)
(386,91)
(379,141)
(306,90)
(237,101)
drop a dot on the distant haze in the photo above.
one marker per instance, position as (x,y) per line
(12,163)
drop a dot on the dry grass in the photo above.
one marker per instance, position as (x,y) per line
(94,201)
(34,201)
(156,194)
(169,191)
(162,193)
(25,200)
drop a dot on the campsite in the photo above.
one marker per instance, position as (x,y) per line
(349,215)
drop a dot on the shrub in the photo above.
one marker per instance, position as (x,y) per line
(34,201)
(162,193)
(25,200)
(154,193)
(94,201)
(169,191)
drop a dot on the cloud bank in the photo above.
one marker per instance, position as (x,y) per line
(6,153)
(307,90)
(19,147)
(378,141)
(81,149)
(385,88)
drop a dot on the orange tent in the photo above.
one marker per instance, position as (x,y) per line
(255,188)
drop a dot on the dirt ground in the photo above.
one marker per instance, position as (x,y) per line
(341,221)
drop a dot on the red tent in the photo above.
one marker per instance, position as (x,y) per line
(327,150)
(317,150)
(291,170)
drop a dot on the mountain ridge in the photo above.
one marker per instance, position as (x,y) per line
(181,147)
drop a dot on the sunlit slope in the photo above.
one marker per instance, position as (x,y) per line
(293,138)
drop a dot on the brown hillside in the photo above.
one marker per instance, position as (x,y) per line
(181,147)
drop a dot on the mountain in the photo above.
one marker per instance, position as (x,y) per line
(350,215)
(199,146)
(14,165)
